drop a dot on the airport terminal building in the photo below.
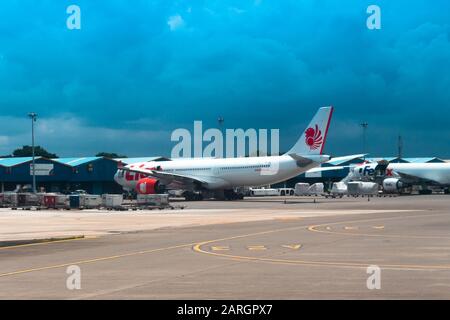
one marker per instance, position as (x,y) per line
(96,174)
(92,174)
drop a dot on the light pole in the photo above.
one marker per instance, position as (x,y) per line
(221,120)
(364,125)
(33,117)
(400,146)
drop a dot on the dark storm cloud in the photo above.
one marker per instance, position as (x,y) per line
(153,66)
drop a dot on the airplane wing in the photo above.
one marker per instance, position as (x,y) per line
(171,178)
(324,169)
(336,160)
(414,179)
(304,161)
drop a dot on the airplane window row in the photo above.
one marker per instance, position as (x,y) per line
(246,167)
(190,169)
(222,168)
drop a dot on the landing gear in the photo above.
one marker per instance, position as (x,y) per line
(218,195)
(232,195)
(192,196)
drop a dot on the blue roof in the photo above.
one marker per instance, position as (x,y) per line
(73,162)
(340,160)
(140,159)
(10,162)
(383,158)
(422,159)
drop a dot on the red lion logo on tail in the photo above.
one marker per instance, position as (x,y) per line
(313,138)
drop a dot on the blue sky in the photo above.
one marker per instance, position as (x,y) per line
(139,69)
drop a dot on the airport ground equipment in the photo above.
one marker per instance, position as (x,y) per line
(112,201)
(22,200)
(286,191)
(62,201)
(91,201)
(317,189)
(74,201)
(31,201)
(359,188)
(301,189)
(49,200)
(263,192)
(339,189)
(28,201)
(85,201)
(304,189)
(150,201)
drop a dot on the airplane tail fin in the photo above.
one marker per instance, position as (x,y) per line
(313,138)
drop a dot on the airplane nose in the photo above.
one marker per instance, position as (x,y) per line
(116,176)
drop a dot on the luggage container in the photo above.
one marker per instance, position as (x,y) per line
(159,200)
(90,201)
(301,189)
(358,188)
(21,199)
(10,199)
(316,189)
(74,201)
(28,200)
(112,200)
(62,201)
(49,200)
(339,189)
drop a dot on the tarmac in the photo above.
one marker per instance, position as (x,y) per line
(263,248)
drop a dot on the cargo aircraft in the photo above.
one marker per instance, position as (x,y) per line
(397,177)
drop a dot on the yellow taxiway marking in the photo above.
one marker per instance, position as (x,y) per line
(198,248)
(378,227)
(139,253)
(351,228)
(292,246)
(49,241)
(94,260)
(255,248)
(220,248)
(316,228)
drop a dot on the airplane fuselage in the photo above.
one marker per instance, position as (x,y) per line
(439,173)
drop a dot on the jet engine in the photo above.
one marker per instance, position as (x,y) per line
(149,186)
(392,185)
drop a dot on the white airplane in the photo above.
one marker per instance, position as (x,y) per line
(202,177)
(395,177)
